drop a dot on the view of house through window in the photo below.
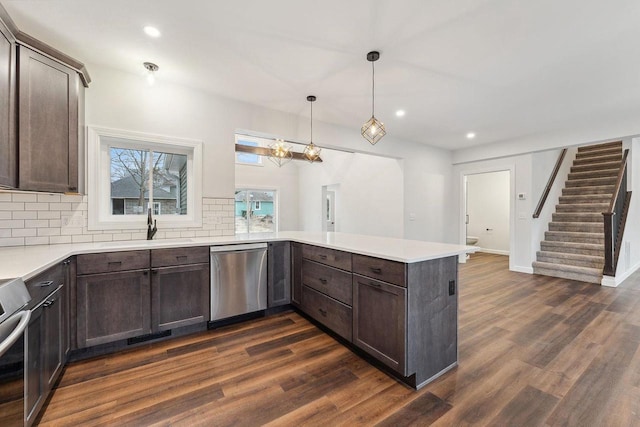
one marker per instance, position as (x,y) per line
(255,211)
(145,179)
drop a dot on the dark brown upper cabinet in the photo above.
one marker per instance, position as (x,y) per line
(48,94)
(8,147)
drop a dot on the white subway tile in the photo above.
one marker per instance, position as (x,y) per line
(214,233)
(12,241)
(7,214)
(12,223)
(11,206)
(36,223)
(81,239)
(122,236)
(172,234)
(54,240)
(48,232)
(71,231)
(49,215)
(228,220)
(22,197)
(49,198)
(36,240)
(202,233)
(23,232)
(25,215)
(71,198)
(187,234)
(5,197)
(138,236)
(36,206)
(5,232)
(59,206)
(55,223)
(103,238)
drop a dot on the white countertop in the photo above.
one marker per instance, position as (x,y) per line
(28,261)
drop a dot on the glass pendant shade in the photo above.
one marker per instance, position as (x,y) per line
(280,152)
(311,151)
(373,130)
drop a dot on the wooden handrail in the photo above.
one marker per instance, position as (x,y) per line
(552,179)
(621,172)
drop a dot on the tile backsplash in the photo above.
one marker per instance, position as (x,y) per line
(43,218)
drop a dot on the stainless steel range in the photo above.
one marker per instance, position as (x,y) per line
(13,323)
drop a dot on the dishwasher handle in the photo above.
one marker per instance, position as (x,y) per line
(23,320)
(239,247)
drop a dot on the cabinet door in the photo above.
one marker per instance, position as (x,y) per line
(112,306)
(47,124)
(379,320)
(278,274)
(180,296)
(52,338)
(34,392)
(8,147)
(296,273)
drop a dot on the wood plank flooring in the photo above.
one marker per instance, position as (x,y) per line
(534,351)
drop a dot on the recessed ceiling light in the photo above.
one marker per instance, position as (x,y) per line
(471,135)
(152,31)
(400,113)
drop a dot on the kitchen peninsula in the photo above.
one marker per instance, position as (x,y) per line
(391,300)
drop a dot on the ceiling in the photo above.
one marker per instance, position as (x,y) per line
(504,69)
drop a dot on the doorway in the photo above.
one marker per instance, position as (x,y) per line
(330,195)
(487,211)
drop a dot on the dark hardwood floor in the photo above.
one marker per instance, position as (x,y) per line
(534,351)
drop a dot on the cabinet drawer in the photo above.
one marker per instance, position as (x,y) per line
(112,261)
(330,257)
(179,256)
(328,280)
(44,283)
(331,313)
(381,269)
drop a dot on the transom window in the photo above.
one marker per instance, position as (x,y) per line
(131,174)
(248,158)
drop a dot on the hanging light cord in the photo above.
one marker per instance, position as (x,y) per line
(373,88)
(311,137)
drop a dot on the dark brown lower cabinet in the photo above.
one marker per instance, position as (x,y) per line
(112,306)
(179,296)
(379,315)
(45,350)
(296,274)
(278,274)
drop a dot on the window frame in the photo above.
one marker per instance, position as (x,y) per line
(257,206)
(100,140)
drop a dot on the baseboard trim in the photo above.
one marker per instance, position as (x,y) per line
(494,251)
(613,282)
(528,270)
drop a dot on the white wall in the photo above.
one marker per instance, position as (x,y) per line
(369,198)
(124,101)
(488,197)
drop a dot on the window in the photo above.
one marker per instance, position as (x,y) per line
(131,173)
(248,158)
(255,211)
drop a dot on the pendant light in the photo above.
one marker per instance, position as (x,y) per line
(311,151)
(280,152)
(373,130)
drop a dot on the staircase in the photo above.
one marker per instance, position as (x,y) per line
(574,245)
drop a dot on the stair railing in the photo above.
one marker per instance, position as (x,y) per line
(615,219)
(552,179)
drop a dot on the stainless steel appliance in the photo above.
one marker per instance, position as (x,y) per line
(14,320)
(238,279)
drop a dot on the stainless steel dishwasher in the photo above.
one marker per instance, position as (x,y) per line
(238,279)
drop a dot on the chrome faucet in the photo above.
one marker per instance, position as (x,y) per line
(151,231)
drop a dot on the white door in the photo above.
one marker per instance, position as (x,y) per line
(330,211)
